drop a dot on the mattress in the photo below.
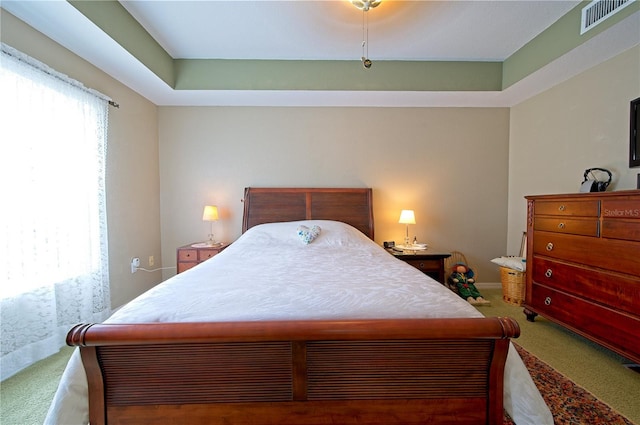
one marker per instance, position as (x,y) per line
(270,273)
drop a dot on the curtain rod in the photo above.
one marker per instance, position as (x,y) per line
(28,60)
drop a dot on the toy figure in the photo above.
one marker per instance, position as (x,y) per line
(462,278)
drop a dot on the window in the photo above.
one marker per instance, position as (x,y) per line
(53,239)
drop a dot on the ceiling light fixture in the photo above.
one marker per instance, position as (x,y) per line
(365,5)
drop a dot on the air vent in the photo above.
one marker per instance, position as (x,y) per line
(599,10)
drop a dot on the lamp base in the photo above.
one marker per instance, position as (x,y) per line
(212,241)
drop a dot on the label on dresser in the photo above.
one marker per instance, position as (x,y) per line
(621,208)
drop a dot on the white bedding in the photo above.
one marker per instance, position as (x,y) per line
(270,274)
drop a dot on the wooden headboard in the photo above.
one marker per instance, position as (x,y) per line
(353,206)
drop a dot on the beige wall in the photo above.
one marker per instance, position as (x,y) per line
(579,124)
(464,171)
(448,164)
(132,161)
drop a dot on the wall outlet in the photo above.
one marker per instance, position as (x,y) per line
(152,261)
(135,263)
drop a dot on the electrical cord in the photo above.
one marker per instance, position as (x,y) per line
(154,270)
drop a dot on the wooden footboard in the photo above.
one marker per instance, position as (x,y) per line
(401,371)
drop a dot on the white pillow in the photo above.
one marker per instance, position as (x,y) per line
(516,263)
(334,233)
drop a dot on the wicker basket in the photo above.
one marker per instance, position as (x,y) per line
(513,285)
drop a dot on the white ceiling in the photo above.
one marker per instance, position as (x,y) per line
(474,30)
(332,29)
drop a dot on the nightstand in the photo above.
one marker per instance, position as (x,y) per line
(190,255)
(428,261)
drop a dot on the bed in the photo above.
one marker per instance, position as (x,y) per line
(275,330)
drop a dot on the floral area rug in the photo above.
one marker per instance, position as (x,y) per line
(569,403)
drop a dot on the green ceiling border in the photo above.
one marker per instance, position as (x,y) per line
(112,18)
(560,38)
(212,74)
(225,74)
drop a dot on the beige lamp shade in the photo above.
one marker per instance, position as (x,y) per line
(210,213)
(407,217)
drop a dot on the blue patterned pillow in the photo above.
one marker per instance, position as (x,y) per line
(307,235)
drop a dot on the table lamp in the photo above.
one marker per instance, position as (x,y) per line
(407,217)
(210,214)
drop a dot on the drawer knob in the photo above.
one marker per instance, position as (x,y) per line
(188,255)
(562,208)
(547,301)
(550,246)
(560,225)
(548,273)
(422,265)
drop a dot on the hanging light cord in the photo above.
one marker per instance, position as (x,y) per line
(365,35)
(366,62)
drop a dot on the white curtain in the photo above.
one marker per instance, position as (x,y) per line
(53,229)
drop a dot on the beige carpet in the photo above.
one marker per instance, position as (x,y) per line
(25,397)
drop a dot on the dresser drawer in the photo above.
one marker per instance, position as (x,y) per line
(628,230)
(610,254)
(574,226)
(616,330)
(188,255)
(425,265)
(621,208)
(185,266)
(620,291)
(205,254)
(621,219)
(579,208)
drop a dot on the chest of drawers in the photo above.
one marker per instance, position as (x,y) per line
(190,255)
(583,257)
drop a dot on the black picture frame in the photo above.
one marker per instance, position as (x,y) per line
(634,138)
